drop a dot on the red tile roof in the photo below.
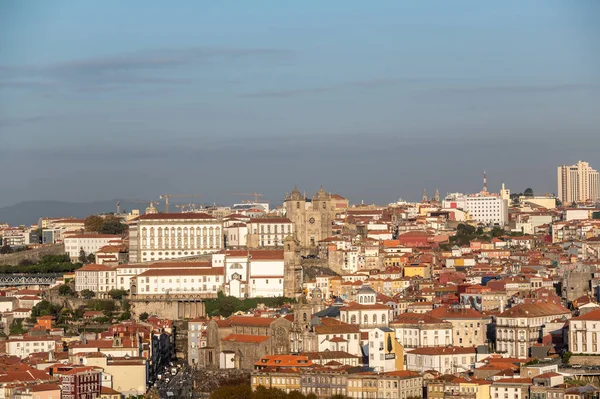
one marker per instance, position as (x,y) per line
(196,271)
(535,310)
(443,350)
(181,216)
(246,338)
(95,268)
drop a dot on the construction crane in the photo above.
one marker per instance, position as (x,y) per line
(255,195)
(167,196)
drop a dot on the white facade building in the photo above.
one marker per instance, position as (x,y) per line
(268,232)
(252,273)
(90,243)
(415,330)
(198,280)
(161,236)
(519,328)
(483,207)
(25,346)
(366,312)
(96,278)
(584,334)
(444,360)
(578,182)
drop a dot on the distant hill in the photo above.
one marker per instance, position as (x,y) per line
(28,212)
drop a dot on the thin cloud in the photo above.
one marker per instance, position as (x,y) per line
(290,93)
(519,89)
(127,69)
(379,83)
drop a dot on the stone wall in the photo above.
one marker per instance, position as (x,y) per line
(33,255)
(169,309)
(585,360)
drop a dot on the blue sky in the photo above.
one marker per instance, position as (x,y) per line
(374,100)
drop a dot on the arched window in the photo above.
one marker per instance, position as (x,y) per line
(374,319)
(297,205)
(304,318)
(383,318)
(353,319)
(366,320)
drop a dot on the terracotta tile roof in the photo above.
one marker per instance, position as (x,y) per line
(251,321)
(45,387)
(180,216)
(513,381)
(594,315)
(416,318)
(535,310)
(95,268)
(252,339)
(443,350)
(196,271)
(446,312)
(358,306)
(93,236)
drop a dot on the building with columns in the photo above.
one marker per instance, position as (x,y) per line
(162,236)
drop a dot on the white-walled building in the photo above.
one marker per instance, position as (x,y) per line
(268,232)
(162,236)
(334,335)
(126,273)
(90,243)
(578,182)
(416,330)
(25,346)
(519,327)
(96,278)
(584,334)
(444,360)
(366,312)
(483,207)
(252,273)
(200,280)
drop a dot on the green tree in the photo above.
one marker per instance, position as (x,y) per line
(65,290)
(87,294)
(144,316)
(567,356)
(232,392)
(117,295)
(5,249)
(94,223)
(91,258)
(82,256)
(596,215)
(45,308)
(113,225)
(125,316)
(16,328)
(528,192)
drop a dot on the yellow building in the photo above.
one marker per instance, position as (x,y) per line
(362,385)
(286,380)
(422,270)
(458,388)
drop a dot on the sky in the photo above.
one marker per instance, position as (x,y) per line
(373,100)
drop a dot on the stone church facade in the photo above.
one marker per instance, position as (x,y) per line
(312,218)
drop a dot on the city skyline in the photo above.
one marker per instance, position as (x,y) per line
(222,98)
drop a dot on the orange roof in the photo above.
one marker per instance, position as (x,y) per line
(251,339)
(187,215)
(251,321)
(95,268)
(196,271)
(284,361)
